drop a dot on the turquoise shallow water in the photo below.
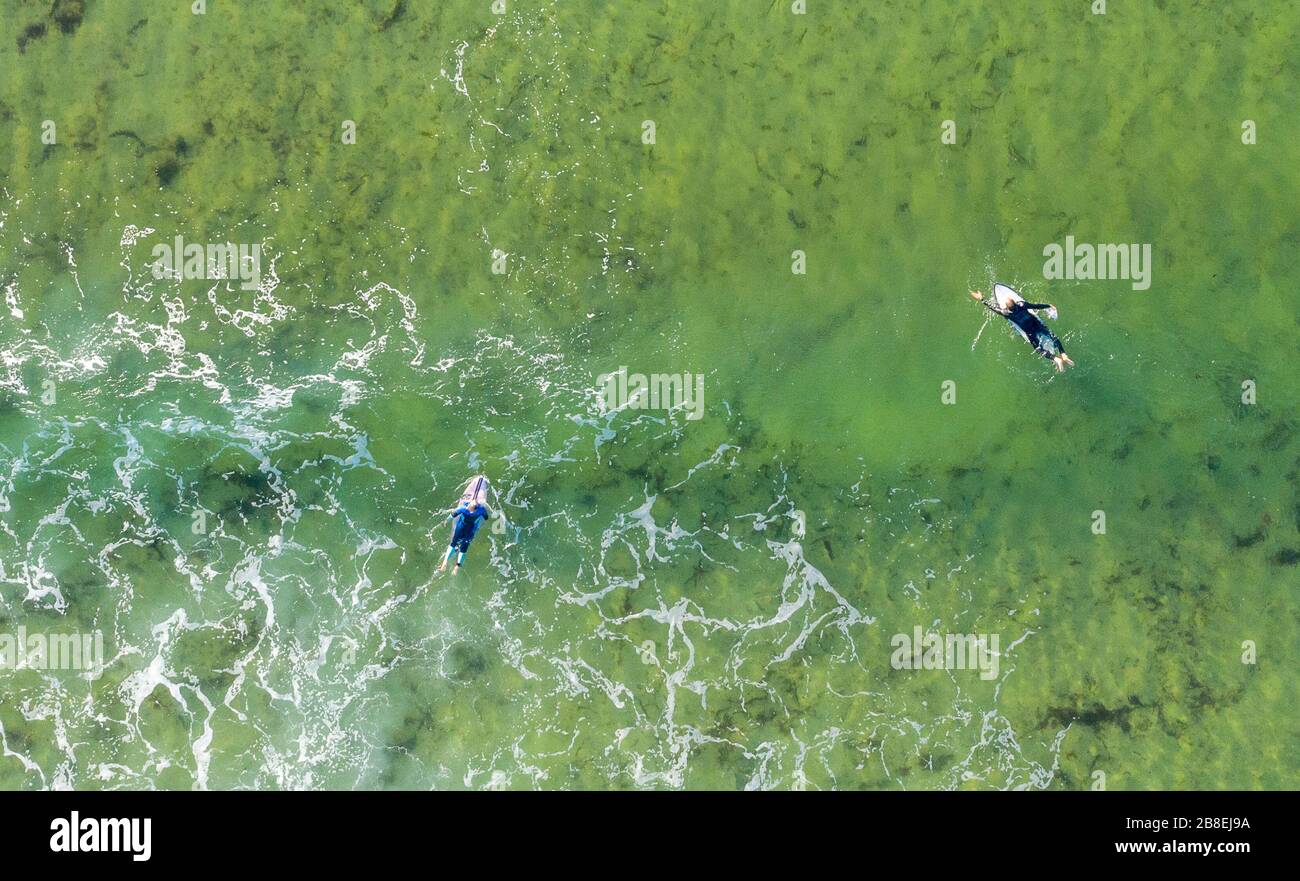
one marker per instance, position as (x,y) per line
(669,603)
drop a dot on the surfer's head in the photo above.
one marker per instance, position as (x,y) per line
(473,504)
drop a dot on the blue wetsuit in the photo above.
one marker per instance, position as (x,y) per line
(467,524)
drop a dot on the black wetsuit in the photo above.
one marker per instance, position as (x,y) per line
(1032,328)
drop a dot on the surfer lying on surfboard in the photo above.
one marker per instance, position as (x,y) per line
(468,517)
(1013,308)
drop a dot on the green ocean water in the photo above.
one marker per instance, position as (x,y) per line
(244,491)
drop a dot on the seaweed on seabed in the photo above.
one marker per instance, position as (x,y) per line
(67,14)
(1279,436)
(1286,557)
(654,474)
(468,662)
(255,499)
(145,555)
(31,32)
(1093,715)
(239,491)
(210,653)
(140,146)
(399,8)
(421,731)
(167,171)
(84,587)
(1254,538)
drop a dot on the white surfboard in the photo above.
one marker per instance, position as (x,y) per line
(476,490)
(1004,297)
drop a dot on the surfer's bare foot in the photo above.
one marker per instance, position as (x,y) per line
(977,295)
(443,567)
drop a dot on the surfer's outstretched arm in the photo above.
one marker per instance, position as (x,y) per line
(986,304)
(1051,310)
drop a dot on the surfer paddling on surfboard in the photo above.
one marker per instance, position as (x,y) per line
(1013,308)
(468,517)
